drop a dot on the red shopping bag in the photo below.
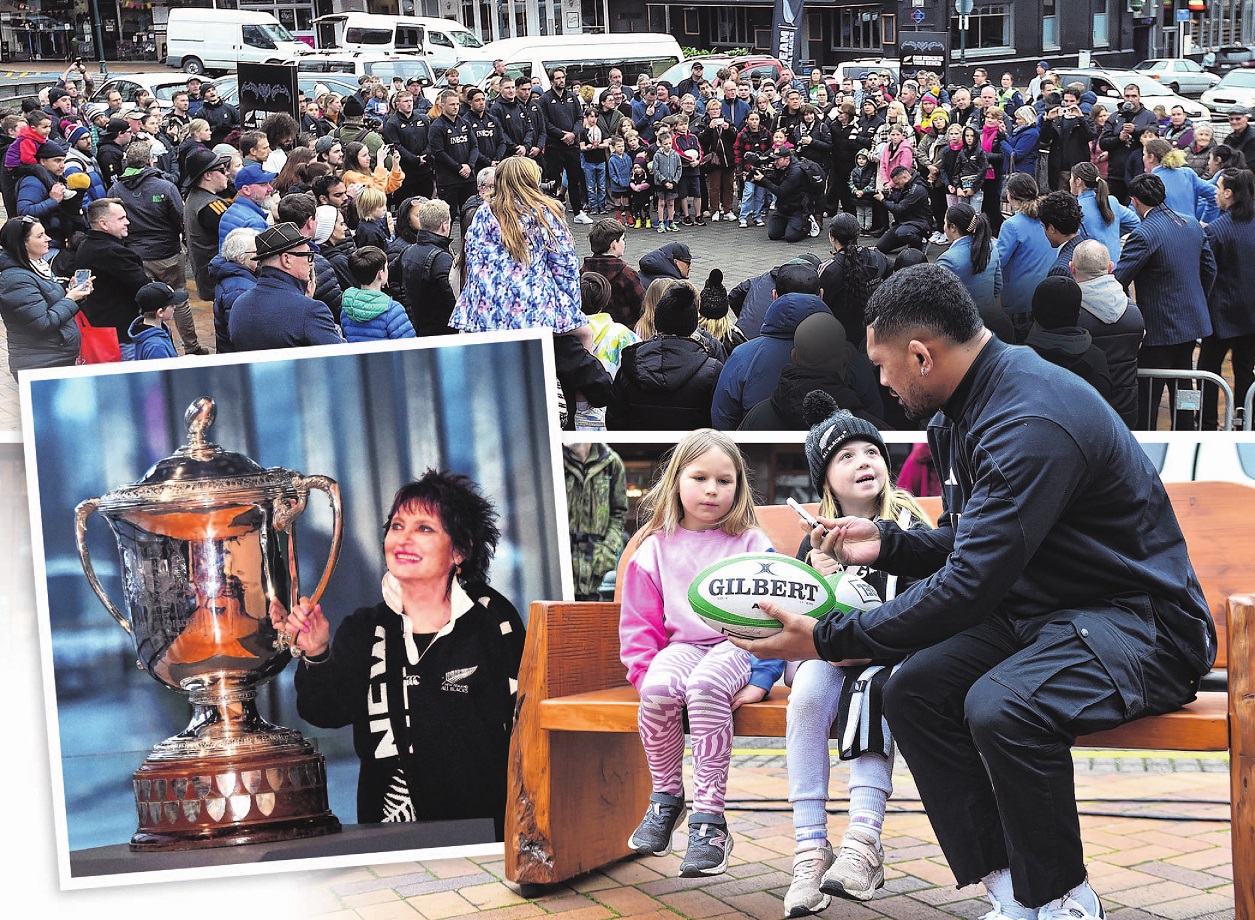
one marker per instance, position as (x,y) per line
(99,346)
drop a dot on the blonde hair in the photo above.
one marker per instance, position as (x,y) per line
(645,327)
(719,328)
(196,125)
(1028,113)
(368,199)
(893,501)
(517,192)
(662,502)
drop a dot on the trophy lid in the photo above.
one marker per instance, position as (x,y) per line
(200,473)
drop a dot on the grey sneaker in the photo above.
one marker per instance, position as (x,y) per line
(653,836)
(804,897)
(858,870)
(710,844)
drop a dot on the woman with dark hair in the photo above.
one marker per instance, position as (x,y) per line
(38,312)
(1232,239)
(292,173)
(849,278)
(973,255)
(1224,157)
(1102,215)
(405,237)
(427,678)
(1026,254)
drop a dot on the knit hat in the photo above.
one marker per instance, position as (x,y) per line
(1057,303)
(94,109)
(863,153)
(353,106)
(714,297)
(77,135)
(56,94)
(324,223)
(154,296)
(830,429)
(279,239)
(225,150)
(676,313)
(49,149)
(323,145)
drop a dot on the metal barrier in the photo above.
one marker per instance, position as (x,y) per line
(1248,408)
(1185,402)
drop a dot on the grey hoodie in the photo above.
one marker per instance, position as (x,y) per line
(1104,297)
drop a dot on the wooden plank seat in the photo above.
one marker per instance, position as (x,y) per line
(578,778)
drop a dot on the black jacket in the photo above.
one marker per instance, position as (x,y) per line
(223,119)
(562,114)
(489,139)
(119,275)
(1073,349)
(666,383)
(460,701)
(792,190)
(410,138)
(1049,505)
(452,146)
(911,206)
(516,123)
(429,297)
(338,256)
(1118,150)
(112,159)
(782,411)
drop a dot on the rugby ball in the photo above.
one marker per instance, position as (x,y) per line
(691,155)
(851,594)
(727,594)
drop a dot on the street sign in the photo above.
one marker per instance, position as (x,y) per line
(918,16)
(1183,15)
(964,7)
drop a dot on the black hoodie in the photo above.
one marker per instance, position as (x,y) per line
(666,383)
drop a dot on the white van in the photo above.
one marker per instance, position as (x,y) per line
(440,41)
(200,40)
(587,59)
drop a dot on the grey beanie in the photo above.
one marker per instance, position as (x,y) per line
(830,428)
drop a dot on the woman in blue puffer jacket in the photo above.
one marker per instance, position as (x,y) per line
(1019,148)
(38,312)
(232,272)
(367,313)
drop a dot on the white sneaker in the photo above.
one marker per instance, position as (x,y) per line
(743,223)
(1068,908)
(996,913)
(814,230)
(716,217)
(858,870)
(581,218)
(804,897)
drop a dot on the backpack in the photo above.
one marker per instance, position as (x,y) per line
(818,179)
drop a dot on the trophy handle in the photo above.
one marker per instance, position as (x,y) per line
(332,489)
(81,514)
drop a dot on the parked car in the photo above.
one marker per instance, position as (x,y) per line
(162,87)
(1108,85)
(1180,75)
(441,41)
(1236,90)
(1231,57)
(359,63)
(756,66)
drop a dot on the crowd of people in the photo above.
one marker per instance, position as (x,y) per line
(339,227)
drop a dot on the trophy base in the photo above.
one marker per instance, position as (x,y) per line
(217,802)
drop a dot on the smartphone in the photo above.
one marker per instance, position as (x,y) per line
(81,277)
(802,512)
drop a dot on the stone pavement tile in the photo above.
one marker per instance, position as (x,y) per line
(779,844)
(333,915)
(752,852)
(1146,895)
(1138,854)
(669,885)
(440,905)
(592,881)
(1203,859)
(589,912)
(921,850)
(758,904)
(748,869)
(392,910)
(516,912)
(336,880)
(725,890)
(946,894)
(1173,842)
(633,871)
(908,884)
(695,904)
(426,885)
(366,898)
(1191,877)
(654,915)
(627,901)
(937,873)
(1106,877)
(903,907)
(452,868)
(391,870)
(1197,905)
(562,901)
(491,895)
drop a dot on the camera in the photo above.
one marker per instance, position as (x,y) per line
(1127,108)
(751,161)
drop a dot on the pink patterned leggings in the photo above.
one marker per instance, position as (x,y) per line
(704,679)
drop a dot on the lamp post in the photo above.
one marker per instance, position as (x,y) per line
(97,36)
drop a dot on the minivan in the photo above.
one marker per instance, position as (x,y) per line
(587,59)
(440,41)
(201,40)
(366,63)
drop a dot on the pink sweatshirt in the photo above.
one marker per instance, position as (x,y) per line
(655,610)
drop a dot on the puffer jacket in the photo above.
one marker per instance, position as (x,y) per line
(59,218)
(38,319)
(660,264)
(231,279)
(327,287)
(665,383)
(155,208)
(338,256)
(373,316)
(242,213)
(429,296)
(151,342)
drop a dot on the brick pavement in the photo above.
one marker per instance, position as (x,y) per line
(1143,867)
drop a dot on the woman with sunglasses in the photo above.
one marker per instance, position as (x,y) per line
(38,311)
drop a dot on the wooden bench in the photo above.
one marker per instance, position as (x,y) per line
(578,778)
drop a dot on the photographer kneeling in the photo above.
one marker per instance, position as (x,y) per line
(789,183)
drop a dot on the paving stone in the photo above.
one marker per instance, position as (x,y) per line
(392,910)
(694,904)
(367,898)
(1196,905)
(436,885)
(627,901)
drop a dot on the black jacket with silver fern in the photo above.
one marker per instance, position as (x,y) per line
(431,716)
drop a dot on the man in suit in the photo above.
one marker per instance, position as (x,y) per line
(1170,266)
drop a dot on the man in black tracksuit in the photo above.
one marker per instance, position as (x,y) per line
(453,151)
(564,115)
(911,208)
(1056,597)
(1119,138)
(516,122)
(487,131)
(406,132)
(791,186)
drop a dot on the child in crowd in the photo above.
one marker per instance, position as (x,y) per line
(849,469)
(642,191)
(367,313)
(667,169)
(690,189)
(372,219)
(863,185)
(609,340)
(715,314)
(593,157)
(752,143)
(608,240)
(701,510)
(377,104)
(619,179)
(149,333)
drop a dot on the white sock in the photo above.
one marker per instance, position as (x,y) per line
(867,809)
(998,884)
(1085,896)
